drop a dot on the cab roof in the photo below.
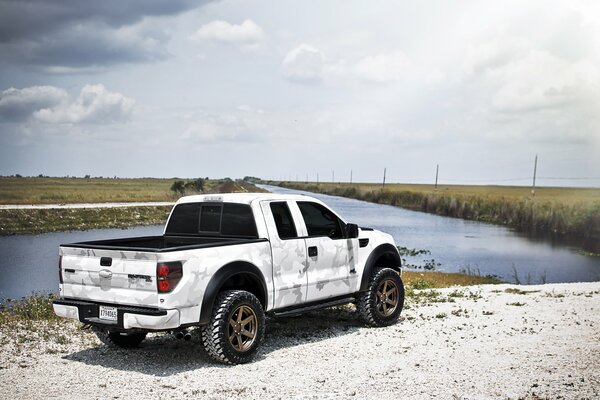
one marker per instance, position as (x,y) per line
(243,198)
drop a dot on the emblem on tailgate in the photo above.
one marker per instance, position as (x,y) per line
(104,273)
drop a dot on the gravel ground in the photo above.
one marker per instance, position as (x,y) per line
(493,341)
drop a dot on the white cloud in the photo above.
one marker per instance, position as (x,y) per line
(383,67)
(307,64)
(482,57)
(541,80)
(304,64)
(241,125)
(95,105)
(19,104)
(248,35)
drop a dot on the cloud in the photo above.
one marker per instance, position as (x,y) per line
(241,125)
(95,105)
(78,48)
(20,104)
(525,86)
(248,35)
(541,80)
(381,68)
(304,64)
(309,65)
(76,34)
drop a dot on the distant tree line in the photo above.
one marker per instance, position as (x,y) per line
(180,187)
(252,179)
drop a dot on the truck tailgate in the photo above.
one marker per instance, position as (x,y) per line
(109,276)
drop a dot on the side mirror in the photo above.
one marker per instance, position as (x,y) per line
(351,231)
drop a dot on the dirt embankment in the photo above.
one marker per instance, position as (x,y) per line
(492,341)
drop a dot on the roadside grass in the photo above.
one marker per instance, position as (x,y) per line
(33,308)
(28,190)
(519,291)
(429,280)
(34,221)
(31,321)
(572,213)
(80,190)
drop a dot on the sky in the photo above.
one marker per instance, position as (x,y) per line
(295,89)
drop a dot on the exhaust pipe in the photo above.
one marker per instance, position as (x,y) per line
(180,334)
(187,336)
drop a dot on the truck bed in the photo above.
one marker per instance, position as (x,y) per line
(164,243)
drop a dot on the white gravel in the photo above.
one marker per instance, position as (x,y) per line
(474,342)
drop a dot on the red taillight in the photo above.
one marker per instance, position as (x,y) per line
(60,278)
(168,275)
(163,270)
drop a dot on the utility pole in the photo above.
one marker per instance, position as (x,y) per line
(317,178)
(332,176)
(384,171)
(350,176)
(534,174)
(437,170)
(307,177)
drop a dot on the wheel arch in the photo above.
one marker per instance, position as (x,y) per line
(235,275)
(386,254)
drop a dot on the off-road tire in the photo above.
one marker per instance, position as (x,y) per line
(375,309)
(225,337)
(120,339)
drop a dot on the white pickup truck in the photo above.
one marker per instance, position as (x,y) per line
(221,264)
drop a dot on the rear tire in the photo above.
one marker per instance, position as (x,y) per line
(120,339)
(382,302)
(236,327)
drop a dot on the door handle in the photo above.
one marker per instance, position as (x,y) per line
(312,251)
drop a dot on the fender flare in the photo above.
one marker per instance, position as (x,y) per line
(384,250)
(221,276)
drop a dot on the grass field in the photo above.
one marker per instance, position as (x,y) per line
(80,190)
(565,212)
(34,221)
(99,190)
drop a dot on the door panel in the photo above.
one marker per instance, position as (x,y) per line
(289,255)
(331,257)
(329,270)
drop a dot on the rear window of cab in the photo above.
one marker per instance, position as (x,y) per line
(212,219)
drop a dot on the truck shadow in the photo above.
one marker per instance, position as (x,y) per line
(163,355)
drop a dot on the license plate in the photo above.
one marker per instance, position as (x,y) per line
(108,313)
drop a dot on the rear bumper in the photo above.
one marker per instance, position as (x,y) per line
(128,317)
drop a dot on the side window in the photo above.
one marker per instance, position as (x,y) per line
(320,221)
(283,220)
(184,219)
(238,220)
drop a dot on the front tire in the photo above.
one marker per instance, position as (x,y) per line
(121,339)
(236,327)
(382,302)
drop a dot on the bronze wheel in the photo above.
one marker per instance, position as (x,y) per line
(381,303)
(242,328)
(387,297)
(236,327)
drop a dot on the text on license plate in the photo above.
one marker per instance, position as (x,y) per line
(108,313)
